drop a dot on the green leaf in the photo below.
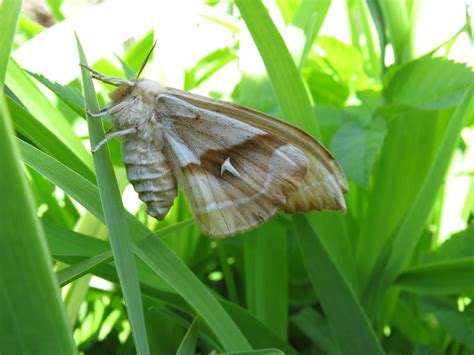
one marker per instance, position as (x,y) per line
(460,325)
(259,351)
(30,301)
(409,232)
(207,67)
(315,327)
(188,345)
(44,110)
(43,138)
(152,251)
(326,90)
(439,278)
(9,13)
(428,83)
(266,270)
(410,324)
(281,69)
(71,96)
(77,270)
(395,183)
(114,214)
(459,245)
(348,322)
(310,18)
(356,147)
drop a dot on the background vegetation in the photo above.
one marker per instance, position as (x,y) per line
(79,270)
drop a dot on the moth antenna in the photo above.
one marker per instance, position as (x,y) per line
(146,60)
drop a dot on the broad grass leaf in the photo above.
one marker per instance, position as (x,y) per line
(439,278)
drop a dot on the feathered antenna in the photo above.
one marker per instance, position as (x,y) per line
(146,60)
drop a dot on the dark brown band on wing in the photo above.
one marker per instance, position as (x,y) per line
(212,159)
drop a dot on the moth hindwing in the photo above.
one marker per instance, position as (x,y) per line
(238,167)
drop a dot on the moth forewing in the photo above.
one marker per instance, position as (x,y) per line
(238,167)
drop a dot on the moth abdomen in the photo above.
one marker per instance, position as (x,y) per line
(151,176)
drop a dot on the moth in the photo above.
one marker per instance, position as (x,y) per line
(237,167)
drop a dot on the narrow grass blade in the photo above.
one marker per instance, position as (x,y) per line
(349,324)
(9,12)
(188,345)
(286,81)
(153,252)
(77,270)
(115,218)
(30,301)
(44,110)
(33,317)
(43,138)
(409,233)
(310,18)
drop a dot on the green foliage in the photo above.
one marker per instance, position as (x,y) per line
(391,276)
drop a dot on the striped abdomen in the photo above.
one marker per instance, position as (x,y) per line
(151,176)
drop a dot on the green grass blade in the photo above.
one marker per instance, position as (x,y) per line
(9,10)
(44,110)
(115,219)
(351,328)
(78,270)
(266,270)
(310,18)
(441,278)
(153,252)
(188,345)
(410,231)
(33,317)
(281,69)
(30,301)
(43,138)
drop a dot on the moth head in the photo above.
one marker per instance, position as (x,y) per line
(136,86)
(143,89)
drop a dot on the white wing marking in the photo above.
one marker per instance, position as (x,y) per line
(227,166)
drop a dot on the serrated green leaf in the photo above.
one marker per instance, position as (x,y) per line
(428,83)
(356,148)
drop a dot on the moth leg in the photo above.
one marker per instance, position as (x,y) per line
(99,114)
(107,79)
(109,110)
(113,135)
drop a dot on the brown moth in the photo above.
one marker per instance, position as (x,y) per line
(238,167)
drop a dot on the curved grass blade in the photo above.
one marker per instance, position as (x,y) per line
(281,68)
(155,253)
(82,268)
(349,324)
(409,233)
(30,301)
(188,345)
(114,214)
(441,278)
